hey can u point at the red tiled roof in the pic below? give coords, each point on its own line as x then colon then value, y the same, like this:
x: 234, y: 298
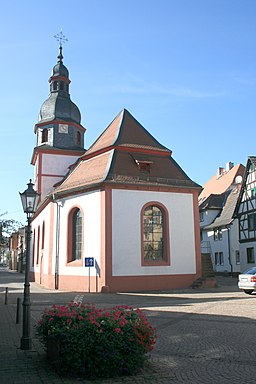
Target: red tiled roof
x: 108, y: 137
x: 112, y: 158
x: 89, y: 172
x: 125, y: 130
x: 219, y: 184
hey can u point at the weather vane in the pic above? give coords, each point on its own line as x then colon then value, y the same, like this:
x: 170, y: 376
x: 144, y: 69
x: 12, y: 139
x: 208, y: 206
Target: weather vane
x: 60, y: 38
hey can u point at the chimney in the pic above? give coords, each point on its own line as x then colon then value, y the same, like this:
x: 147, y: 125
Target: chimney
x: 229, y: 166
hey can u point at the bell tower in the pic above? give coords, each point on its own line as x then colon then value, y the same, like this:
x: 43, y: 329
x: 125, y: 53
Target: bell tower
x: 59, y: 133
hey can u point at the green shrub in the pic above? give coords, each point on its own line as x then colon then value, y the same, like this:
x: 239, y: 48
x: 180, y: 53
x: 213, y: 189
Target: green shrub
x: 98, y: 342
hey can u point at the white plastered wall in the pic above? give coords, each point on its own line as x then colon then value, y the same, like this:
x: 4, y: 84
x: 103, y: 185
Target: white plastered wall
x: 53, y: 169
x: 56, y: 165
x: 126, y: 233
x: 44, y: 217
x: 90, y: 204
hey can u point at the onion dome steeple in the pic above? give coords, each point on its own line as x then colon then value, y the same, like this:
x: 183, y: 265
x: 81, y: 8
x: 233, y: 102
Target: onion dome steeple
x: 59, y: 105
x: 59, y: 133
x: 59, y: 123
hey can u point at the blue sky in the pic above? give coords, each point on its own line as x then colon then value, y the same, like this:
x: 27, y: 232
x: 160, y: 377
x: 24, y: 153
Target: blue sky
x: 185, y: 69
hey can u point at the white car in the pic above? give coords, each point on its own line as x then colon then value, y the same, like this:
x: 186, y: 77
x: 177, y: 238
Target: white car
x: 247, y: 280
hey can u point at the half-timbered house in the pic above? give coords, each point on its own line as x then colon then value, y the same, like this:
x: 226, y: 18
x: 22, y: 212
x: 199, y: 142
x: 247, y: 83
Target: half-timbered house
x: 246, y: 214
x: 219, y: 228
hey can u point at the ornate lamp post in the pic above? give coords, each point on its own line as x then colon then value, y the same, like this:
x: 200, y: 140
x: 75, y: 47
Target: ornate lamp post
x: 29, y: 199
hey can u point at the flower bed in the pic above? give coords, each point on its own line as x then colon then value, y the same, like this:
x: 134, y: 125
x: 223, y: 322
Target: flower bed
x: 97, y: 342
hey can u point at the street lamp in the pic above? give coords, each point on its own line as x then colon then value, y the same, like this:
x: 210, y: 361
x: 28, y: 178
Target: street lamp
x: 29, y: 199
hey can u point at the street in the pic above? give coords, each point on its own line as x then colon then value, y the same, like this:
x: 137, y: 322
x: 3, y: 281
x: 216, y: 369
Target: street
x: 203, y: 335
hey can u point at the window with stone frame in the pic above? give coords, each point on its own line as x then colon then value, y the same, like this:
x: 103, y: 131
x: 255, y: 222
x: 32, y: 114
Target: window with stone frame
x: 38, y: 245
x: 155, y: 235
x: 34, y: 247
x: 75, y: 235
x: 43, y: 235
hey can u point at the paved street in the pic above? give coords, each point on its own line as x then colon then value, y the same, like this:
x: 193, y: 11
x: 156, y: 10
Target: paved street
x: 204, y: 336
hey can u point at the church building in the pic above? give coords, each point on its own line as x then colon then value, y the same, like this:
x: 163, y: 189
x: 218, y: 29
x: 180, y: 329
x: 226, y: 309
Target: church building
x: 119, y: 216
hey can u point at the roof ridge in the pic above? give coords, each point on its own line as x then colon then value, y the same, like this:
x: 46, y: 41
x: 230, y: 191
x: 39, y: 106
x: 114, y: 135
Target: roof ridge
x: 119, y: 115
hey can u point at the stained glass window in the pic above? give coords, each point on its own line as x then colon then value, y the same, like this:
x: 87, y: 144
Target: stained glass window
x: 77, y: 235
x: 153, y: 233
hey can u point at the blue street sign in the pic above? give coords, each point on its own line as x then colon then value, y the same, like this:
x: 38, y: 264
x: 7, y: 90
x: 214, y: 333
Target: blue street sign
x: 89, y: 261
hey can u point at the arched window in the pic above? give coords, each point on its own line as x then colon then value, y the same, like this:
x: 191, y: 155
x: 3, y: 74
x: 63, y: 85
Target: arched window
x: 45, y: 135
x: 42, y: 241
x: 34, y: 248
x: 55, y: 84
x: 75, y: 235
x: 155, y: 236
x: 78, y: 138
x: 38, y: 245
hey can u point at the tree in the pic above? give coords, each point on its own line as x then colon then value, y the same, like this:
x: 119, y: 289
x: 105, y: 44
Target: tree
x: 8, y: 226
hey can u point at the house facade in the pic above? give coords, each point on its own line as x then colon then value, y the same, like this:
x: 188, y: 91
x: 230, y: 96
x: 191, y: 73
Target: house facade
x: 17, y: 249
x: 120, y: 216
x: 246, y: 215
x: 219, y: 227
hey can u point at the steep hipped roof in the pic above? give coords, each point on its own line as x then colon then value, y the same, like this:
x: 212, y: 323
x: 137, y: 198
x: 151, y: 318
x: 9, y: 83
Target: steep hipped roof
x: 118, y: 156
x: 125, y: 130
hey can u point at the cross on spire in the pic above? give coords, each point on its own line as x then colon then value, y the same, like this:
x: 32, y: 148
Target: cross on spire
x: 60, y: 38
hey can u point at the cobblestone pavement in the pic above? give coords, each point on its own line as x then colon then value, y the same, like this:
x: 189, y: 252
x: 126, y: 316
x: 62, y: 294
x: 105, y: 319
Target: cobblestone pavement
x: 204, y: 336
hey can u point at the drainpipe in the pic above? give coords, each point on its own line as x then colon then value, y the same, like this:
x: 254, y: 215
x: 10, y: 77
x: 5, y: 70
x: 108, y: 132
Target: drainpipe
x: 57, y: 244
x: 229, y: 252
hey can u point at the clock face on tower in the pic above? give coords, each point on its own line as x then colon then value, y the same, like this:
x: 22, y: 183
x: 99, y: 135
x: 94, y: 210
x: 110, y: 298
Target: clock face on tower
x: 63, y: 128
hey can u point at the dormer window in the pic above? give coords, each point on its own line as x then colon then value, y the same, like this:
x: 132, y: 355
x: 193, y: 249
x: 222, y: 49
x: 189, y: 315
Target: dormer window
x: 144, y: 165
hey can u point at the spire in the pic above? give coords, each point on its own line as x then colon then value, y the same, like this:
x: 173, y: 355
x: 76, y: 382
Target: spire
x: 59, y: 105
x: 60, y: 56
x: 61, y: 39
